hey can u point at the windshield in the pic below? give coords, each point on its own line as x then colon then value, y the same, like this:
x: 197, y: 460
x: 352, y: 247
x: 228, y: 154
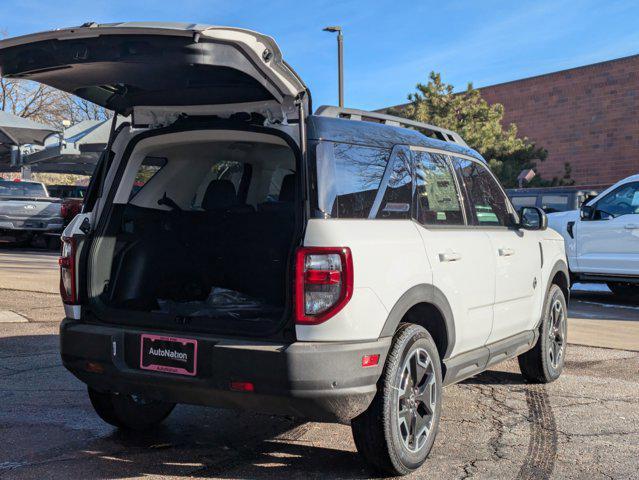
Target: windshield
x: 22, y: 189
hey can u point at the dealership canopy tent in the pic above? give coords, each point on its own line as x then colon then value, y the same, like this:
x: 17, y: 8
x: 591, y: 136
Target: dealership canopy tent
x: 17, y: 131
x: 78, y: 152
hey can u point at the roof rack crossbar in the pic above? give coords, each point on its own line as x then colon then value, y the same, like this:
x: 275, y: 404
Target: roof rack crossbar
x: 363, y: 115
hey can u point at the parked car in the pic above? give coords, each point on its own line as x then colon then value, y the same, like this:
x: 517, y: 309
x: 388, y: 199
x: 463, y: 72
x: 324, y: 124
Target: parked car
x: 72, y: 198
x: 602, y: 239
x: 27, y: 210
x: 322, y: 266
x: 552, y: 199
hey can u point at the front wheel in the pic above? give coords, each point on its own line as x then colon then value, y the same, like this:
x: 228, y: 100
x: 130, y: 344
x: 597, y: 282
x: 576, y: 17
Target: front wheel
x: 397, y: 431
x: 131, y: 412
x: 545, y: 362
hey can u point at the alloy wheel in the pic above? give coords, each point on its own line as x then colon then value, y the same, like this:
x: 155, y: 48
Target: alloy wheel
x: 416, y: 399
x: 556, y: 334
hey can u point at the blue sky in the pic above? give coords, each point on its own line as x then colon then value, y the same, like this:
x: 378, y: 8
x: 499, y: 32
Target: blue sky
x: 389, y: 45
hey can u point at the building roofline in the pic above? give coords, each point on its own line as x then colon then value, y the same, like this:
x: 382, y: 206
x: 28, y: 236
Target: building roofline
x: 557, y: 72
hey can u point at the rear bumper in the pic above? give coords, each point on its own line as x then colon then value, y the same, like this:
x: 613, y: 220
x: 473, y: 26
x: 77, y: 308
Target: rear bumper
x: 322, y: 381
x: 35, y: 225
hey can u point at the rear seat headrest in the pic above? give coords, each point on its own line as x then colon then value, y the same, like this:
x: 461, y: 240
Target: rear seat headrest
x: 287, y: 190
x: 219, y: 195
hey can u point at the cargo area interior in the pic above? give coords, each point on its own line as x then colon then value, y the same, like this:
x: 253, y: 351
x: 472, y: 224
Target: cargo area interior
x: 202, y: 228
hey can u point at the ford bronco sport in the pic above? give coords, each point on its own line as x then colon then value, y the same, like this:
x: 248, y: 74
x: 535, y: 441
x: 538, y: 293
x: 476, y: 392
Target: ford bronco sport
x: 237, y: 251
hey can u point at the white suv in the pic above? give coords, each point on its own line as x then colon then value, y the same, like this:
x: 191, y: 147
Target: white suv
x: 602, y: 239
x: 236, y: 251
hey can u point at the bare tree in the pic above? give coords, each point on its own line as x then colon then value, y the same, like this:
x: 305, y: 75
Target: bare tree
x: 45, y: 104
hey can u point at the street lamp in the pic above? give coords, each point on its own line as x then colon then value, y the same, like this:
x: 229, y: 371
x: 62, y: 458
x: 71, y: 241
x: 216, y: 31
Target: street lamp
x: 340, y: 61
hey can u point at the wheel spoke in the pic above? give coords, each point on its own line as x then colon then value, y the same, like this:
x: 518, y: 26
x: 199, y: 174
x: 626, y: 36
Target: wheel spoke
x: 422, y: 423
x: 412, y: 425
x: 404, y: 416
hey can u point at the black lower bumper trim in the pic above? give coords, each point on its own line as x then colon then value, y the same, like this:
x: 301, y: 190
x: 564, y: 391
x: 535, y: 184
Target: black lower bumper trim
x: 322, y: 381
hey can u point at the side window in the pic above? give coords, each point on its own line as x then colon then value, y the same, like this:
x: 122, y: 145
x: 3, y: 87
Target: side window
x: 348, y: 178
x: 397, y: 196
x: 487, y: 201
x: 622, y: 201
x: 436, y: 197
x: 148, y: 168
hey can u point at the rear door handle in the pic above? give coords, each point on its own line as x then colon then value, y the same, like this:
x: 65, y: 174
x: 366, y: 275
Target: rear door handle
x: 631, y: 226
x: 449, y: 257
x: 506, y: 252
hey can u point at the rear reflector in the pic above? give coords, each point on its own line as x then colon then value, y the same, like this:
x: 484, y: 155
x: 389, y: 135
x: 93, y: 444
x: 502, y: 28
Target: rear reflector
x: 370, y: 360
x: 94, y: 367
x: 323, y: 283
x: 242, y: 387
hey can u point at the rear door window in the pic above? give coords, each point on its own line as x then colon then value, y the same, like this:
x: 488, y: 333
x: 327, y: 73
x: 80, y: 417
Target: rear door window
x: 436, y: 198
x: 487, y: 200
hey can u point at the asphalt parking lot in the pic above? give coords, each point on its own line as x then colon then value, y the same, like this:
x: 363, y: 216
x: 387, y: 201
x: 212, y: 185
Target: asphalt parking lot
x: 586, y: 425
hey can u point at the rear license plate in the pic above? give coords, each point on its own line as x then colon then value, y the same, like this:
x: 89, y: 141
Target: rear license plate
x: 168, y: 354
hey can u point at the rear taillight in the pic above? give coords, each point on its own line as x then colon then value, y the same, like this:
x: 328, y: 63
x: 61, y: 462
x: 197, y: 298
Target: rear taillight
x: 64, y: 210
x: 68, y: 288
x: 323, y: 283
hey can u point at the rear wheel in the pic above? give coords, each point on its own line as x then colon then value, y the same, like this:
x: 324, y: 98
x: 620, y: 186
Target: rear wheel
x: 545, y: 362
x: 398, y: 430
x: 626, y: 291
x: 129, y: 411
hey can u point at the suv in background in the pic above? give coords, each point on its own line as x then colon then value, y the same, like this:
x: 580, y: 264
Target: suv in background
x: 237, y: 251
x: 552, y: 199
x: 602, y: 241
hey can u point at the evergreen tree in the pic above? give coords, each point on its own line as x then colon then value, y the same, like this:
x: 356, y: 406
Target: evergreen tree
x: 480, y: 125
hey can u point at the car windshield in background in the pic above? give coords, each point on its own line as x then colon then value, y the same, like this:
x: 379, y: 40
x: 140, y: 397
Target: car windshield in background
x: 555, y: 203
x: 519, y: 202
x: 22, y: 189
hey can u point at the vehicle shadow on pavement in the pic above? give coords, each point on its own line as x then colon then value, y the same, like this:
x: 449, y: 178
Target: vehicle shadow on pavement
x: 51, y: 431
x: 497, y: 377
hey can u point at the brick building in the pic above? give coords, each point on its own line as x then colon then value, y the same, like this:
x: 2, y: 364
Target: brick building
x: 587, y: 116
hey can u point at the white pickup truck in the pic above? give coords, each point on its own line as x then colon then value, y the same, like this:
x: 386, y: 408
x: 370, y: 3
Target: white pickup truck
x: 602, y: 239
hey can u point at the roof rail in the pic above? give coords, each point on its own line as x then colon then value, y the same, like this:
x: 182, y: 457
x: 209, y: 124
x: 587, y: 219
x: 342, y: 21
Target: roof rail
x: 363, y: 115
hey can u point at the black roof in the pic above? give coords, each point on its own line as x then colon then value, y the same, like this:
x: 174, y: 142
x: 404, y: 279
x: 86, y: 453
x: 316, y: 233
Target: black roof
x: 378, y: 135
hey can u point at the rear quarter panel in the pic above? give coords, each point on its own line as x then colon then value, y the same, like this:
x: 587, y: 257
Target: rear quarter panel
x: 388, y: 259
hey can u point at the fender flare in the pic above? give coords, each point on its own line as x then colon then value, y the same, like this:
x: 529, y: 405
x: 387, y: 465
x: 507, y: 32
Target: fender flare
x: 559, y: 266
x: 423, y: 293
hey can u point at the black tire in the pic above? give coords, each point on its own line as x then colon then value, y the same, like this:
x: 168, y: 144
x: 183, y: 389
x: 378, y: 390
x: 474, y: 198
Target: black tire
x: 128, y: 411
x: 545, y: 361
x: 103, y: 407
x: 626, y: 291
x: 381, y: 437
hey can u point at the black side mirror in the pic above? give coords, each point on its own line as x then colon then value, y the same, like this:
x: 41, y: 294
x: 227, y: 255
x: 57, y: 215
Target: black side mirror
x: 532, y: 218
x: 587, y: 212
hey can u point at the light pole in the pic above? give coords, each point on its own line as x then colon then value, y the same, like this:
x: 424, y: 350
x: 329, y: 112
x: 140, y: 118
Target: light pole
x: 340, y: 61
